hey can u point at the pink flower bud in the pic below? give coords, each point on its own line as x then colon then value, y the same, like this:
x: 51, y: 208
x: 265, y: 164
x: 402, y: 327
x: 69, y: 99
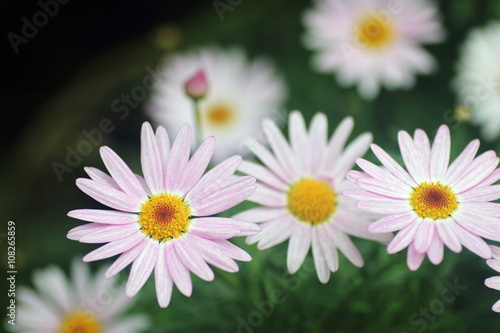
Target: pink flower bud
x: 196, y: 87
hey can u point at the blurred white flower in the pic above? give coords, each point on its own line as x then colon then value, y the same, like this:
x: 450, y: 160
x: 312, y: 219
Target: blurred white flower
x: 478, y: 79
x: 82, y: 304
x: 373, y: 43
x: 240, y: 93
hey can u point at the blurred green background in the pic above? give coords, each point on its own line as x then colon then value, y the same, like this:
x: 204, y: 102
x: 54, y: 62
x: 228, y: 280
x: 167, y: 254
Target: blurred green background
x: 383, y: 296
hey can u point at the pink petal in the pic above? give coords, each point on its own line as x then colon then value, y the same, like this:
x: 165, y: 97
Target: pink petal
x: 384, y: 207
x: 196, y: 166
x: 113, y: 248
x: 424, y: 235
x: 268, y: 196
x: 280, y: 147
x: 261, y: 214
x: 403, y: 238
x: 392, y: 223
x: 423, y: 149
x: 354, y: 175
x: 178, y: 158
x: 380, y: 174
x: 163, y: 280
x: 337, y: 143
x: 193, y: 260
x: 232, y: 250
x: 474, y: 243
x: 354, y: 150
x: 263, y: 175
x: 478, y: 170
x: 103, y: 216
x: 493, y: 282
x: 299, y: 140
x: 227, y: 198
x: 489, y: 193
x: 358, y: 226
x: 299, y: 244
x: 110, y: 233
x: 495, y: 264
x: 122, y: 174
x: 108, y: 196
x: 275, y: 232
x: 328, y: 247
x: 177, y: 270
x: 83, y: 230
x: 212, y: 254
x: 101, y: 177
x: 455, y: 171
x: 222, y: 227
x: 126, y: 258
x: 317, y: 137
x: 435, y: 251
x: 163, y: 145
x: 268, y: 159
x: 447, y: 234
x: 440, y: 154
x: 411, y: 158
x: 151, y: 160
x: 414, y: 258
x: 213, y: 179
x: 492, y: 178
x: 392, y: 165
x: 481, y: 225
x: 142, y: 268
x: 384, y: 188
x: 345, y: 245
x: 481, y: 208
x: 319, y: 258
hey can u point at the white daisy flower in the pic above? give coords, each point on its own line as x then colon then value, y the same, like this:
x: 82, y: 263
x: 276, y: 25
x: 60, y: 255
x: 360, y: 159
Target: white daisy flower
x: 240, y: 94
x: 373, y: 43
x: 478, y: 79
x: 299, y: 188
x: 83, y: 304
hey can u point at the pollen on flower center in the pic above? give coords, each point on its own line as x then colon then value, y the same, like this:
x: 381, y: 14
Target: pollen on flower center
x: 164, y: 216
x: 219, y: 115
x: 80, y: 322
x: 374, y: 33
x: 433, y: 200
x: 311, y: 201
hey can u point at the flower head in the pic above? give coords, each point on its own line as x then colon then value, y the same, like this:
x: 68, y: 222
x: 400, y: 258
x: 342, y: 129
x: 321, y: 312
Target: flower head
x: 76, y: 305
x: 373, y: 43
x: 494, y: 282
x: 478, y: 79
x: 162, y: 222
x: 196, y: 87
x: 241, y: 93
x: 431, y: 203
x: 299, y: 188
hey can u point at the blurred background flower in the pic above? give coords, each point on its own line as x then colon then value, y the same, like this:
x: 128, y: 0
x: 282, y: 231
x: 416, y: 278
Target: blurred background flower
x: 81, y: 304
x: 83, y: 77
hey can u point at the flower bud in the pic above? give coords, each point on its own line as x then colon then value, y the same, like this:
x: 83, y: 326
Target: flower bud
x: 196, y: 87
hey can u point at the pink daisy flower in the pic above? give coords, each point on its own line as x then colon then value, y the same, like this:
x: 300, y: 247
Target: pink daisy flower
x: 433, y: 203
x: 373, y: 43
x: 494, y: 282
x: 299, y: 188
x: 162, y: 222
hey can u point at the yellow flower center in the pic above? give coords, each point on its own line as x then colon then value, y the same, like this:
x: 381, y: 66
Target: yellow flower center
x: 80, y: 322
x: 219, y: 115
x: 433, y: 200
x: 311, y: 201
x: 375, y: 33
x: 164, y: 216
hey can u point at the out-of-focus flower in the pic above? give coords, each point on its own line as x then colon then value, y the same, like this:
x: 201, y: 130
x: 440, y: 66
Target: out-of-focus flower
x: 300, y: 188
x: 240, y: 94
x: 162, y: 221
x: 432, y: 203
x: 197, y: 86
x: 494, y: 282
x: 478, y: 79
x: 373, y: 43
x: 82, y: 304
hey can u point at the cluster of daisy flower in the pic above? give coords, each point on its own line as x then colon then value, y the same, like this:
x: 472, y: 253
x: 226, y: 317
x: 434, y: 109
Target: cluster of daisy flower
x: 164, y: 222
